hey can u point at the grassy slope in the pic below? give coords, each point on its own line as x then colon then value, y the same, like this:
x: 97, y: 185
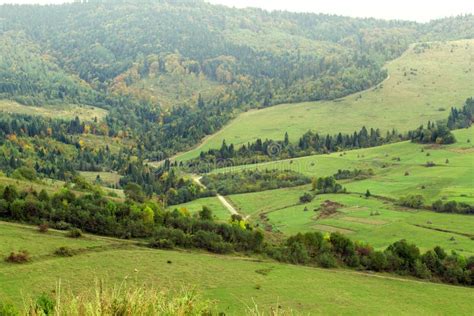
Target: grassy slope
x: 177, y: 89
x: 49, y: 185
x: 63, y: 111
x: 443, y: 78
x: 218, y: 210
x: 231, y: 281
x: 447, y: 181
x: 452, y: 180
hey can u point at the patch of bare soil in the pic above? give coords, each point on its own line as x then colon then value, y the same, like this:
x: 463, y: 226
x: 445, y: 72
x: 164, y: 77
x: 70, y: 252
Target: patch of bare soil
x: 328, y: 209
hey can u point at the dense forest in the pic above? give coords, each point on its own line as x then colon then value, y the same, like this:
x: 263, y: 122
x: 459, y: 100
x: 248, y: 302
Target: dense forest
x: 109, y: 53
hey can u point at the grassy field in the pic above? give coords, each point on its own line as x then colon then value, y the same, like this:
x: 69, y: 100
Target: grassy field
x: 51, y: 186
x: 218, y: 210
x: 453, y: 180
x: 108, y: 178
x: 178, y: 88
x: 63, y: 111
x: 356, y: 219
x: 422, y: 86
x: 234, y: 283
x: 280, y: 210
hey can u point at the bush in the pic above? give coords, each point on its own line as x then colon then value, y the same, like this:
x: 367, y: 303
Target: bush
x: 377, y: 261
x: 327, y: 260
x: 65, y: 252
x: 161, y: 244
x: 18, y: 257
x: 412, y: 201
x: 74, y: 233
x: 62, y: 225
x: 430, y: 164
x: 44, y: 305
x: 306, y: 198
x: 421, y: 270
x: 43, y: 228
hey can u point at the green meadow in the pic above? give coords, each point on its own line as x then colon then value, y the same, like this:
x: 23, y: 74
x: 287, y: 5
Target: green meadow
x: 422, y: 85
x: 218, y: 210
x: 62, y: 111
x: 399, y: 170
x: 235, y: 284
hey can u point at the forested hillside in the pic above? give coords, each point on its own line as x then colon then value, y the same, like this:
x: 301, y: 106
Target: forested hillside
x: 171, y: 72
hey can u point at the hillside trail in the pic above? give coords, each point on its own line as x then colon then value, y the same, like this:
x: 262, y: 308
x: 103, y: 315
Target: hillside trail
x: 221, y: 198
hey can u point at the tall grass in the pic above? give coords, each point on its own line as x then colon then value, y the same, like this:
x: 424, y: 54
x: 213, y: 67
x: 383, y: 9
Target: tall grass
x: 119, y: 300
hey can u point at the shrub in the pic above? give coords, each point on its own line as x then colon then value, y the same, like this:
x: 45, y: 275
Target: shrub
x: 62, y: 225
x: 161, y: 244
x: 25, y: 173
x: 205, y: 213
x: 421, y: 270
x: 306, y: 198
x: 18, y: 257
x: 43, y: 228
x: 377, y: 261
x: 44, y: 305
x: 74, y: 233
x: 65, y: 252
x: 430, y: 164
x: 327, y: 260
x: 296, y: 252
x: 412, y: 201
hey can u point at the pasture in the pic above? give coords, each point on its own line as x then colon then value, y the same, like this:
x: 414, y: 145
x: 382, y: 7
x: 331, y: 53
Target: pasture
x: 62, y: 111
x: 218, y: 210
x: 423, y: 84
x: 234, y: 283
x: 399, y: 170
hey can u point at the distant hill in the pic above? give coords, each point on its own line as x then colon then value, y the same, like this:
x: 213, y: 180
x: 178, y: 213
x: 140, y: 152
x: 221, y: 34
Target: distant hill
x: 423, y: 84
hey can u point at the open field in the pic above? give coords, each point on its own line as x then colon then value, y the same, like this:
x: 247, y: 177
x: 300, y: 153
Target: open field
x: 177, y: 89
x: 49, y: 185
x: 107, y: 178
x: 443, y: 72
x: 63, y: 111
x: 280, y: 210
x: 233, y: 282
x: 453, y: 180
x: 218, y: 210
x: 356, y: 218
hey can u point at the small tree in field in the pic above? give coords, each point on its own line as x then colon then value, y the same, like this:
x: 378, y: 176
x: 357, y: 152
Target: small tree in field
x: 367, y: 193
x: 205, y: 213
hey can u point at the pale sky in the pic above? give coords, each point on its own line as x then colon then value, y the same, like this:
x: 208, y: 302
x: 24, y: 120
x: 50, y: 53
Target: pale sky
x: 415, y: 10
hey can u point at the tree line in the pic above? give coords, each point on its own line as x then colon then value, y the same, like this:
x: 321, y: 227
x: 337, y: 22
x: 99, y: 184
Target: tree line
x: 96, y: 214
x: 312, y: 143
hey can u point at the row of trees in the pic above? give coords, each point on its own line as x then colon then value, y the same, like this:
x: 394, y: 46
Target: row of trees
x: 167, y: 229
x: 253, y: 181
x: 96, y: 214
x: 441, y: 133
x: 310, y: 143
x: 400, y: 257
